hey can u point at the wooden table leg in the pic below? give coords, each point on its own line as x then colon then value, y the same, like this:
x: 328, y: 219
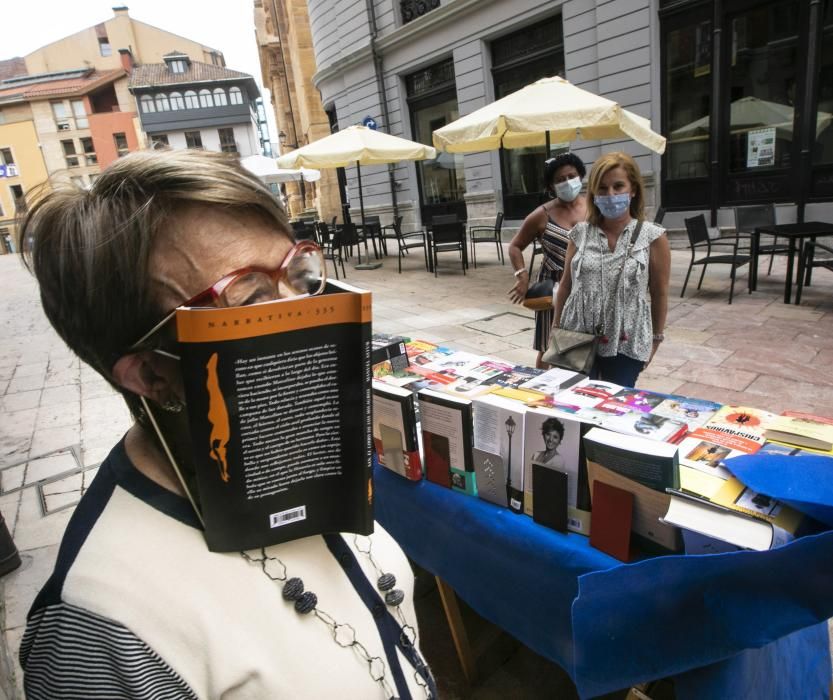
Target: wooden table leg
x: 458, y: 630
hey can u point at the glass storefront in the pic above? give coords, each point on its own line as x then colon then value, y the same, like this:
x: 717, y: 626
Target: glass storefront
x: 519, y: 59
x: 432, y: 99
x: 747, y: 102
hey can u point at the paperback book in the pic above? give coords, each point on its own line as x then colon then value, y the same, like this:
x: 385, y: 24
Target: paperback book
x: 447, y: 440
x: 802, y: 430
x: 693, y: 412
x: 279, y: 403
x: 395, y: 430
x: 499, y: 431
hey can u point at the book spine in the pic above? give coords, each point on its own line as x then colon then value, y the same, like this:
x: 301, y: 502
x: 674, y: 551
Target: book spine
x: 367, y: 401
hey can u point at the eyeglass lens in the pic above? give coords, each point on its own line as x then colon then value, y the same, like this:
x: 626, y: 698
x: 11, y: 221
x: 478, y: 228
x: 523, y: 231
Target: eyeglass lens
x: 304, y: 274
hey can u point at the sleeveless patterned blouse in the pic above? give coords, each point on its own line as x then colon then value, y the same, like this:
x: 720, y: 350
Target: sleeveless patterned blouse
x: 554, y: 241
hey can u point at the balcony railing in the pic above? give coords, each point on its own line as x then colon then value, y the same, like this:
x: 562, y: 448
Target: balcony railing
x: 413, y: 9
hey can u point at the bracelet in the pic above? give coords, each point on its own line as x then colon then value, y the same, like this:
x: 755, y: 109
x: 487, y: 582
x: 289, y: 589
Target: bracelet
x: 517, y: 273
x: 659, y: 337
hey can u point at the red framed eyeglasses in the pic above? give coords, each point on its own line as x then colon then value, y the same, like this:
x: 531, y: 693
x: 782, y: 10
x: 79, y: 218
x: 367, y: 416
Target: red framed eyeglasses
x: 302, y: 272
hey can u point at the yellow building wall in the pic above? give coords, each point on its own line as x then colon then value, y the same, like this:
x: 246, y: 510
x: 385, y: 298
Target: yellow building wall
x: 22, y: 138
x: 147, y: 43
x: 16, y: 113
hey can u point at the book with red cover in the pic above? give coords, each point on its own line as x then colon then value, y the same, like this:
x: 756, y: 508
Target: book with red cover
x: 610, y: 529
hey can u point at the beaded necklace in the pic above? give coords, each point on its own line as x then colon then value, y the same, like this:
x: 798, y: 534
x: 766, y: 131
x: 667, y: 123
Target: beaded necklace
x: 305, y: 602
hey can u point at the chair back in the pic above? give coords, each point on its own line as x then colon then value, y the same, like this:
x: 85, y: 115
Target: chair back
x: 747, y: 219
x: 349, y: 234
x: 443, y: 219
x: 498, y: 223
x: 698, y: 231
x: 659, y: 216
x: 447, y: 231
x: 324, y: 234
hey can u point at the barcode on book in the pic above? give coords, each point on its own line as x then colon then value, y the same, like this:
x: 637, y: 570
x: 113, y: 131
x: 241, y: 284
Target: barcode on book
x: 574, y: 523
x: 288, y: 516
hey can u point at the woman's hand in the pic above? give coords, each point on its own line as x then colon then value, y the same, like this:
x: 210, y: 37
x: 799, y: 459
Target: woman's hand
x: 654, y: 349
x: 518, y: 293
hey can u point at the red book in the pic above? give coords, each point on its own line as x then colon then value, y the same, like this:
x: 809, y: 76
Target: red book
x: 610, y: 527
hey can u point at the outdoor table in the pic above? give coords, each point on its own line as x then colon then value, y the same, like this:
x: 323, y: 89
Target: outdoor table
x: 794, y: 233
x: 722, y: 625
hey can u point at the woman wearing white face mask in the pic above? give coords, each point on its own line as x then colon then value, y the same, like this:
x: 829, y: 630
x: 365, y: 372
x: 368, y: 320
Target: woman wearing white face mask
x: 616, y: 273
x: 550, y: 224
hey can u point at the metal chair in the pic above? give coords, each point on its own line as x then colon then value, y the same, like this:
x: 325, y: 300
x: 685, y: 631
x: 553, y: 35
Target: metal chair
x: 330, y: 242
x: 698, y: 237
x: 747, y: 219
x: 492, y: 237
x: 389, y: 233
x: 448, y: 234
x: 409, y: 241
x: 659, y: 216
x: 808, y: 261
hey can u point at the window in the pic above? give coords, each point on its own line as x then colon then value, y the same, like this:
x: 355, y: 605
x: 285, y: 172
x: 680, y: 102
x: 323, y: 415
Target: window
x: 205, y: 99
x: 69, y: 153
x: 18, y: 198
x: 120, y: 139
x: 162, y: 103
x: 823, y: 151
x: 193, y: 139
x: 235, y: 96
x: 519, y: 59
x: 220, y: 99
x: 176, y: 101
x: 178, y: 66
x: 191, y: 101
x: 59, y: 111
x: 227, y: 143
x: 80, y: 114
x: 6, y: 156
x: 104, y: 47
x: 146, y: 101
x: 159, y: 141
x: 89, y: 150
x: 432, y: 98
x: 764, y: 42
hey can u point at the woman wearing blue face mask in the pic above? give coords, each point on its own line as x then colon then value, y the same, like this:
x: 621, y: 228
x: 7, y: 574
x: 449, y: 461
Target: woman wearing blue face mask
x: 614, y: 283
x: 550, y: 224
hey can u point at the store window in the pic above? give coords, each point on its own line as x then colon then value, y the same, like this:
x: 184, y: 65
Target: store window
x: 823, y: 151
x: 762, y: 83
x: 687, y: 92
x: 432, y: 99
x: 518, y: 59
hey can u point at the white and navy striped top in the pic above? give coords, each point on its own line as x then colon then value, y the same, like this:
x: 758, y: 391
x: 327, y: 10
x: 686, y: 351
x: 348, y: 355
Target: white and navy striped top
x: 137, y: 607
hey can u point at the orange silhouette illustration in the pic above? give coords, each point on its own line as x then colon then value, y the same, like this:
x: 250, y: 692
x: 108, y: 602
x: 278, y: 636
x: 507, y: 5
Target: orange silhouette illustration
x: 218, y: 417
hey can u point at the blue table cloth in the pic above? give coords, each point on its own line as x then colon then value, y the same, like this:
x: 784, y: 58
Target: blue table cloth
x: 741, y: 624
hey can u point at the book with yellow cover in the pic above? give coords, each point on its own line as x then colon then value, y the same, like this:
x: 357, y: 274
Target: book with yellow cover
x: 802, y: 430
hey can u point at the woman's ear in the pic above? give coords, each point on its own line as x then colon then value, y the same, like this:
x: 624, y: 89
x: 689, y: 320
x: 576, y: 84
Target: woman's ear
x: 149, y: 374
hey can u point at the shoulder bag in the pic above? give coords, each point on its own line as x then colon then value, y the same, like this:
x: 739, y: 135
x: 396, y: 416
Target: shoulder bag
x: 574, y: 350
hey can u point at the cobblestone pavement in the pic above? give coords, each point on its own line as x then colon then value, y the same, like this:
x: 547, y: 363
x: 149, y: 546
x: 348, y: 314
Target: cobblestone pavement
x: 59, y: 418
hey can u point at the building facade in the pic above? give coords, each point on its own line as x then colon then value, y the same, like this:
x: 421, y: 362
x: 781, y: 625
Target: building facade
x: 288, y: 64
x: 726, y: 82
x: 191, y: 104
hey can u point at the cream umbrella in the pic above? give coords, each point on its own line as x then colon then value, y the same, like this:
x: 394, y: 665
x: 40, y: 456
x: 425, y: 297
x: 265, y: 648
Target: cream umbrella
x: 551, y: 109
x: 268, y: 171
x: 356, y: 145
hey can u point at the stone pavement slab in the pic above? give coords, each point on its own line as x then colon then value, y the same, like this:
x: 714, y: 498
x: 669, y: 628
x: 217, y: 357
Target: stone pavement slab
x: 757, y: 351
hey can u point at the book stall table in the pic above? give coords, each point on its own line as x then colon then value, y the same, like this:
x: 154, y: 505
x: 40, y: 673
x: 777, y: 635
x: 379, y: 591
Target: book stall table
x: 732, y: 625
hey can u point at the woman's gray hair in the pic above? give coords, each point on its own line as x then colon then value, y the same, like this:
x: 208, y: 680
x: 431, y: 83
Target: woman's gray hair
x: 89, y: 248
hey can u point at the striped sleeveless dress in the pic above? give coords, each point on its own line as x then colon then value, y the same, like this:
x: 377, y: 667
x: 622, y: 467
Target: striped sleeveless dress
x: 554, y: 241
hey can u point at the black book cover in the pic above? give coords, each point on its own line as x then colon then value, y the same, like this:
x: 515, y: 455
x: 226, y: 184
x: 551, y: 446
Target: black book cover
x: 278, y: 398
x: 550, y: 489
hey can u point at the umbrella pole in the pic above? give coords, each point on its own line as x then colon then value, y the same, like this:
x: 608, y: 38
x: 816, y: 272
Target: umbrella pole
x: 367, y: 265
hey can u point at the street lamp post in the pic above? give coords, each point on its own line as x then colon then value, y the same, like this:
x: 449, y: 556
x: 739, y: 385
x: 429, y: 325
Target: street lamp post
x: 513, y: 495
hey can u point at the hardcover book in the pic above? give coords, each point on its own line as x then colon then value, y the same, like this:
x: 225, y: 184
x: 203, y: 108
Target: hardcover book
x: 652, y: 464
x: 389, y: 348
x: 552, y: 440
x: 499, y: 430
x: 447, y: 440
x: 395, y: 430
x: 278, y: 398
